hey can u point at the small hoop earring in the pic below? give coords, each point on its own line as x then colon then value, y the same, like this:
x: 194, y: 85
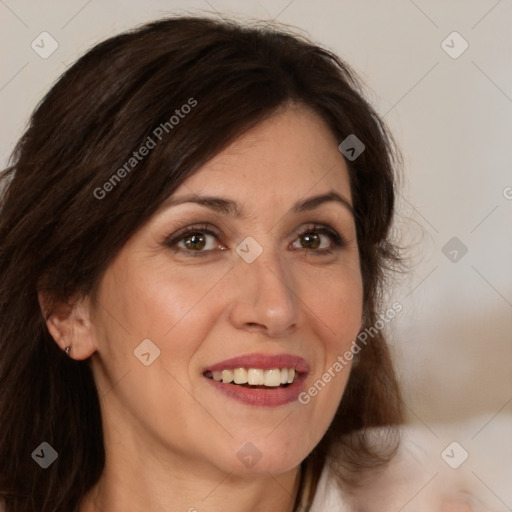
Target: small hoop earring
x: 67, y: 350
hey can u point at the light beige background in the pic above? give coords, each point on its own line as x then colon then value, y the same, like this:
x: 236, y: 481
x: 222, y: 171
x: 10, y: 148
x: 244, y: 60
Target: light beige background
x: 452, y: 118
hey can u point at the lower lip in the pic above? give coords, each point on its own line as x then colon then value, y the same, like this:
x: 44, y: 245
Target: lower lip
x: 272, y: 397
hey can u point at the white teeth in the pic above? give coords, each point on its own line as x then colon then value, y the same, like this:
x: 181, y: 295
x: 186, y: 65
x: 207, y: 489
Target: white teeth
x: 256, y: 376
x: 273, y: 378
x: 227, y: 376
x: 240, y: 376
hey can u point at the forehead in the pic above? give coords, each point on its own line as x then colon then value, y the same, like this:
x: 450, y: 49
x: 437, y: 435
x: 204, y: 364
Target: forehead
x: 290, y: 153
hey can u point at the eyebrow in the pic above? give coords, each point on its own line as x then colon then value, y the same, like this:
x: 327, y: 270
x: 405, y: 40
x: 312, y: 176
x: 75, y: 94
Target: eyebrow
x: 225, y: 206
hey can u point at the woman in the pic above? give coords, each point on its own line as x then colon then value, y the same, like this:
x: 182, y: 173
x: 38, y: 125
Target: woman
x: 194, y: 238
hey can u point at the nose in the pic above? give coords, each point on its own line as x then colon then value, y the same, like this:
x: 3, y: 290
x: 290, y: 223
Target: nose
x: 264, y: 297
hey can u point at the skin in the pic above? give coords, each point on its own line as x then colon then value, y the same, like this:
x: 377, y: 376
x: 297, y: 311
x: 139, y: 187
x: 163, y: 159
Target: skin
x: 165, y: 427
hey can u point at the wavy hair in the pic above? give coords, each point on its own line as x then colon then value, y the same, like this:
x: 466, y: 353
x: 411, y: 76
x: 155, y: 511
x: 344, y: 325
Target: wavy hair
x: 58, y: 237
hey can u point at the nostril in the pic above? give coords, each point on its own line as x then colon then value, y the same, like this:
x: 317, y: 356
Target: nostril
x: 255, y: 324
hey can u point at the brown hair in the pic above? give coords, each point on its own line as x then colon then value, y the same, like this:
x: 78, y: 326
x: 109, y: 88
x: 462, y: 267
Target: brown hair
x: 58, y: 235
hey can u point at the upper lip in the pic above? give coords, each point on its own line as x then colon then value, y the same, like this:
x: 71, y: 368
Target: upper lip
x: 262, y: 361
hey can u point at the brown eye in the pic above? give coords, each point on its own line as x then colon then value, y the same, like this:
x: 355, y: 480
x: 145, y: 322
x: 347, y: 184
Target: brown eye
x: 198, y: 240
x: 195, y: 241
x: 318, y: 239
x: 311, y: 240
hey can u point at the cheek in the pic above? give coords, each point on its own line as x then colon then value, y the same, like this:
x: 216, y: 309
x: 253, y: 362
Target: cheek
x: 337, y: 306
x: 337, y: 325
x: 157, y: 300
x: 174, y: 311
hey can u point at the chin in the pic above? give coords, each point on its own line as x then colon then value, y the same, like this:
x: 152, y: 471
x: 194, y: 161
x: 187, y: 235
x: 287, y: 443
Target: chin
x: 265, y: 468
x: 260, y: 457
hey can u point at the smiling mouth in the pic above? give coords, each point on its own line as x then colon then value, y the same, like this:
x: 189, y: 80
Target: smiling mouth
x: 255, y: 378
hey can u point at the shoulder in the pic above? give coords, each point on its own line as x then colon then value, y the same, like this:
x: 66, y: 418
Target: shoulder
x: 422, y: 477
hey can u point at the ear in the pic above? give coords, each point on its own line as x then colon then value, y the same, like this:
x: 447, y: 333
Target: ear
x: 70, y: 325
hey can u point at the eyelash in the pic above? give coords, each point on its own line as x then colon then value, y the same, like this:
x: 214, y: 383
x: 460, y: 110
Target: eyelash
x: 172, y: 241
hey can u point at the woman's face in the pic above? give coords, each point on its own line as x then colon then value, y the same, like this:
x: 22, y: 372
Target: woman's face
x: 261, y: 277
